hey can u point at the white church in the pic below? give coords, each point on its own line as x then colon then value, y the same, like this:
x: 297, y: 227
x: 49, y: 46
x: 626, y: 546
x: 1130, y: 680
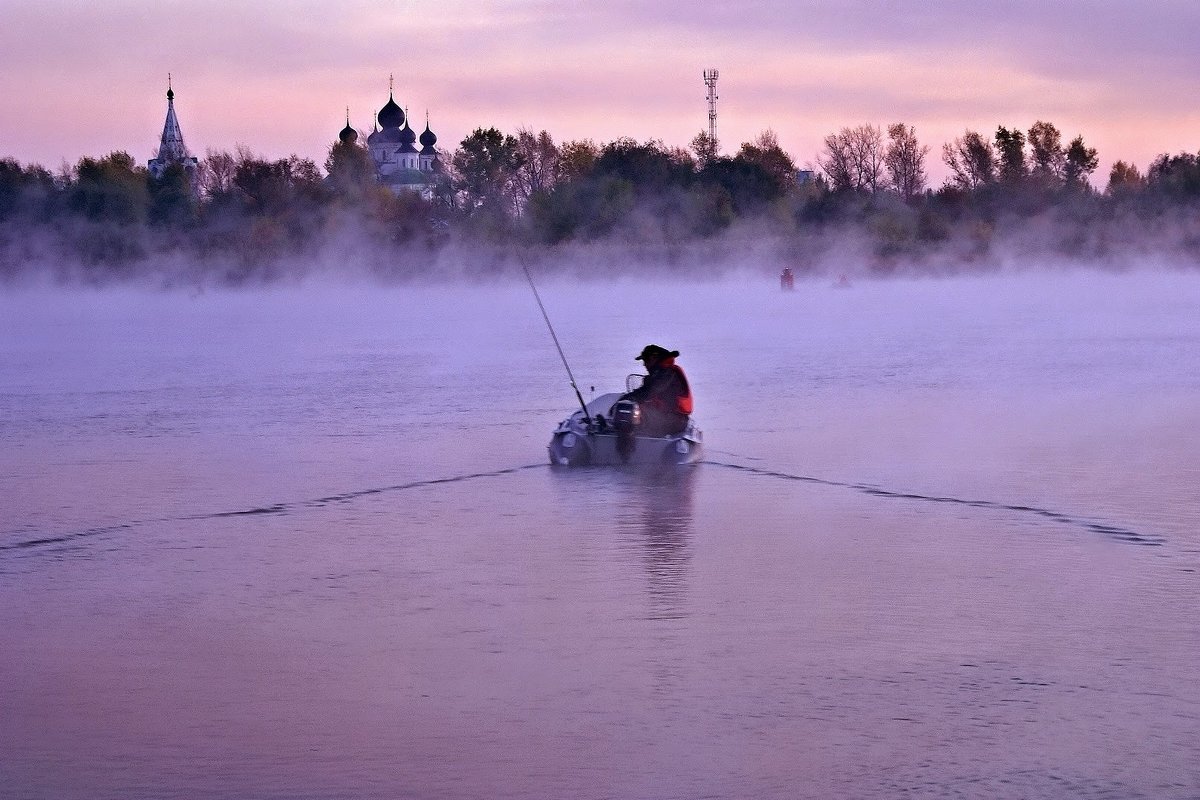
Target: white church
x: 399, y: 165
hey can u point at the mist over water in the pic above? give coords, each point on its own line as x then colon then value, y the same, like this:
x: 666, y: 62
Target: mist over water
x: 303, y: 542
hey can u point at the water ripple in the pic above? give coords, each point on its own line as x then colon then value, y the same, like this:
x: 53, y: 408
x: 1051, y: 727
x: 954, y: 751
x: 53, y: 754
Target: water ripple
x: 276, y: 508
x: 1104, y: 528
x: 1100, y: 527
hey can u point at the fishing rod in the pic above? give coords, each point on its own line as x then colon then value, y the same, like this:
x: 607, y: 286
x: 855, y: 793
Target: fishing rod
x: 586, y: 418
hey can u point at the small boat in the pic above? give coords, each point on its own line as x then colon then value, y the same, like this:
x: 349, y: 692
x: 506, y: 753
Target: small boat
x: 606, y: 436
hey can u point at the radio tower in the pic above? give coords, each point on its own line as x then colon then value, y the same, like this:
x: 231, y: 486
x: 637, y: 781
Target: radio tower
x: 710, y: 80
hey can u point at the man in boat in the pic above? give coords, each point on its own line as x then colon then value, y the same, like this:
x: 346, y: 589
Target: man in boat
x: 664, y: 396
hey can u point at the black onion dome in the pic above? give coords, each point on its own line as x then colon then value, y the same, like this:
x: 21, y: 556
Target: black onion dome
x: 428, y: 139
x: 391, y: 115
x: 388, y: 136
x: 348, y: 135
x: 407, y: 137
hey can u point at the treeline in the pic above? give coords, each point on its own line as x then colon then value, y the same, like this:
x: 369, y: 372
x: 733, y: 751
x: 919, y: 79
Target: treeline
x: 238, y: 217
x: 1013, y: 195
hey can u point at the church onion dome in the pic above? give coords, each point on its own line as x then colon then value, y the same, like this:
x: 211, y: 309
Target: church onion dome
x: 428, y: 139
x: 407, y: 137
x: 348, y: 135
x: 387, y: 136
x: 391, y: 115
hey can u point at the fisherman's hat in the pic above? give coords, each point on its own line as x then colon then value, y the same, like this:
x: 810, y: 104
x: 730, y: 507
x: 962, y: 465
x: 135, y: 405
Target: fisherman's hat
x: 653, y: 352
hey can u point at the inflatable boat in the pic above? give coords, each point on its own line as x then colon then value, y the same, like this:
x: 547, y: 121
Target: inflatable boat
x: 605, y: 433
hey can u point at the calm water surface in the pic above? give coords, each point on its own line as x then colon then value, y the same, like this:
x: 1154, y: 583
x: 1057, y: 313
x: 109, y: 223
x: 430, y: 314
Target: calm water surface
x: 303, y: 543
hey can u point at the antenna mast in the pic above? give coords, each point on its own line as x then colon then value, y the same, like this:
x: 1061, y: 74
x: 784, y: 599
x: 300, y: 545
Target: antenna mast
x: 710, y: 80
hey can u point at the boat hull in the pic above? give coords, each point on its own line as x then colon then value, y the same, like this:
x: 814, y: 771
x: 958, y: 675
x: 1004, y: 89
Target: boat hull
x: 575, y: 443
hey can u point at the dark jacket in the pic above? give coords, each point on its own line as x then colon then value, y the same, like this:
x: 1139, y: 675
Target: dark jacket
x: 665, y: 391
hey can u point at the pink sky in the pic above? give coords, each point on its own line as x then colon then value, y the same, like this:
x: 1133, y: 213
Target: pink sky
x: 276, y: 76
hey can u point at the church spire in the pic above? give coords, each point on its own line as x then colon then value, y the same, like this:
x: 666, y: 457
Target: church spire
x: 171, y: 149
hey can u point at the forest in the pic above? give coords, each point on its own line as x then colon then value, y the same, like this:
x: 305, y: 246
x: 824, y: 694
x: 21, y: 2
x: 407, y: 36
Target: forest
x: 1014, y: 199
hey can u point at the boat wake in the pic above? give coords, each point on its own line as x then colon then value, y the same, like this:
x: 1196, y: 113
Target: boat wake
x: 1104, y: 528
x: 277, y: 508
x: 1095, y: 526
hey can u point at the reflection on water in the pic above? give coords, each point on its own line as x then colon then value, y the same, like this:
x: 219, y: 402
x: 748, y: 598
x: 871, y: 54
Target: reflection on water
x: 658, y: 524
x: 640, y: 515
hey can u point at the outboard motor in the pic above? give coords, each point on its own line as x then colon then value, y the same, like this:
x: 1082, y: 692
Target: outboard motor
x: 626, y: 417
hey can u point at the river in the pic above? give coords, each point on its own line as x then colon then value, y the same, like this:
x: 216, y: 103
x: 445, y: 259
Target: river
x: 304, y: 542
